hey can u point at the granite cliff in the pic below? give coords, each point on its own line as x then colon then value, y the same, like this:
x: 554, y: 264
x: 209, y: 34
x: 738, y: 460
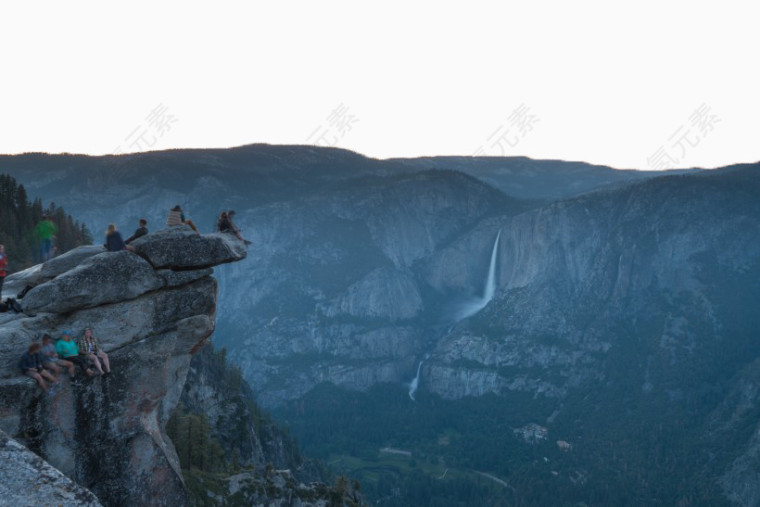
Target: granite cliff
x: 152, y: 309
x: 666, y: 265
x: 29, y: 480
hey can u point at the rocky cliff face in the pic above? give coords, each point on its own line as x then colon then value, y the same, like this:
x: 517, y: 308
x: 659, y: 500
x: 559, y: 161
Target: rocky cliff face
x: 264, y: 463
x: 578, y: 276
x: 29, y: 480
x: 332, y: 293
x: 151, y: 310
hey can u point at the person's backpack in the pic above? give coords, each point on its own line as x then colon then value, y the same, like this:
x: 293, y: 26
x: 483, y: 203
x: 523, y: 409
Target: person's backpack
x: 21, y: 294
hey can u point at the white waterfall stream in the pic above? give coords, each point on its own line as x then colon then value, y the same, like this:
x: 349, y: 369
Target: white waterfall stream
x: 416, y: 380
x: 472, y: 307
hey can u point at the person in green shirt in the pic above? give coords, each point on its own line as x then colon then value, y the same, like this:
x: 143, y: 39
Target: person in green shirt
x: 45, y: 232
x: 69, y: 351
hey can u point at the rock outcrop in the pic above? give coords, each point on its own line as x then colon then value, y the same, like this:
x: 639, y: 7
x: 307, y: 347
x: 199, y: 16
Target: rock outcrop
x: 384, y: 293
x: 28, y: 480
x: 151, y: 311
x: 40, y: 273
x: 177, y: 249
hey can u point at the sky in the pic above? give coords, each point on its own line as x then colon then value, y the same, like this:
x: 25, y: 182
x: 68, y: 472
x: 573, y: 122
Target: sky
x: 645, y: 85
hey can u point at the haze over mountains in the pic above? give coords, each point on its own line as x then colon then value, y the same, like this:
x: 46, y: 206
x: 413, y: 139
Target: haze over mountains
x: 616, y: 293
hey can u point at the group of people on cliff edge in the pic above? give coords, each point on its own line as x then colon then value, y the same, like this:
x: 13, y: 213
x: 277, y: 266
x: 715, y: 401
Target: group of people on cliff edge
x: 43, y: 362
x: 115, y: 243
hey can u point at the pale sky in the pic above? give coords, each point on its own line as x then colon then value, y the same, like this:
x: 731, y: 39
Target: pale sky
x: 637, y: 85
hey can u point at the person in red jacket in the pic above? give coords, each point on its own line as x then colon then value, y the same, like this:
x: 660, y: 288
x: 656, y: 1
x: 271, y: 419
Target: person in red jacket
x: 3, y: 266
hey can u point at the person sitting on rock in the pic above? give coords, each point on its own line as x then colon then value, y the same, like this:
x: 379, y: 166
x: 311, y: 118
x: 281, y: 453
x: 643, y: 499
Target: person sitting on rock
x: 89, y: 347
x: 176, y: 217
x: 50, y: 358
x: 139, y: 232
x: 68, y: 350
x: 113, y: 243
x: 225, y: 224
x: 31, y: 365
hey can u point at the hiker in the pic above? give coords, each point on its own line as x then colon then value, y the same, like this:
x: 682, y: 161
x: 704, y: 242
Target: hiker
x: 50, y: 357
x: 113, y: 243
x: 45, y: 232
x: 88, y: 346
x: 3, y: 267
x: 68, y: 350
x: 31, y: 366
x: 176, y: 217
x: 141, y: 231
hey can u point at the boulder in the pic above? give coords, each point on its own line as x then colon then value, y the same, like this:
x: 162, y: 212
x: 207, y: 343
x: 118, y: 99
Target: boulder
x: 29, y: 480
x: 15, y: 282
x: 105, y: 278
x: 182, y: 248
x: 35, y: 275
x: 116, y: 325
x: 68, y: 261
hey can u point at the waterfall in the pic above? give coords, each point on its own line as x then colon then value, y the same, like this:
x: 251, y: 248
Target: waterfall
x: 491, y: 280
x: 472, y: 307
x: 416, y: 381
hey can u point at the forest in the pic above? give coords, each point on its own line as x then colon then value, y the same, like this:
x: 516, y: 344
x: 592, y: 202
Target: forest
x: 18, y: 219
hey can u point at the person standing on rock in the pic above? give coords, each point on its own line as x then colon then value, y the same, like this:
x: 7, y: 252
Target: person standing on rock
x: 176, y: 217
x: 3, y: 267
x: 69, y: 351
x: 45, y: 233
x: 141, y: 231
x: 50, y: 357
x: 88, y: 346
x: 31, y: 365
x: 113, y: 243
